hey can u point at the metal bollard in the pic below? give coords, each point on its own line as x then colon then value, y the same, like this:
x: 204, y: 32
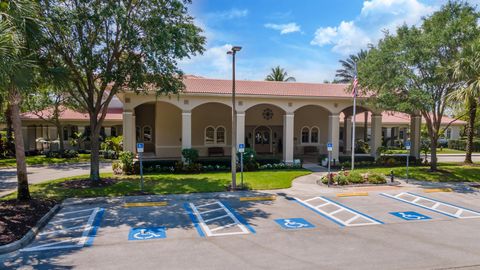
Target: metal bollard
x: 391, y: 176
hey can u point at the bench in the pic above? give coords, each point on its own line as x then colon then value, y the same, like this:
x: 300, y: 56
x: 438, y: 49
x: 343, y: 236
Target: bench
x: 310, y: 150
x: 215, y: 151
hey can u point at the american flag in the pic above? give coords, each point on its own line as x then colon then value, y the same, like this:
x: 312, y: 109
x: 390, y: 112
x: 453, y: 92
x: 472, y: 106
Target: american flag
x: 355, y: 83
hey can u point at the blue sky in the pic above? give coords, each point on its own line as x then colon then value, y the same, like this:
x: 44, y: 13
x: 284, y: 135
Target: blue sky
x: 306, y: 37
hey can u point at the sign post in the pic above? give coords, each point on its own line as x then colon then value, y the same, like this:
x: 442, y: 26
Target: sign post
x: 241, y: 150
x: 329, y: 149
x: 408, y: 146
x: 140, y: 148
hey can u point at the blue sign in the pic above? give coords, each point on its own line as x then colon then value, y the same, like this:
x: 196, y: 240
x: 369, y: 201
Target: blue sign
x: 294, y: 223
x: 410, y: 215
x: 240, y: 146
x: 140, y: 147
x: 147, y: 233
x: 408, y: 144
x: 330, y: 146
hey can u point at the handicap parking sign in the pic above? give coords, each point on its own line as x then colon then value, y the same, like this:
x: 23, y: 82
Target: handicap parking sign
x: 294, y: 223
x: 147, y: 233
x: 410, y: 215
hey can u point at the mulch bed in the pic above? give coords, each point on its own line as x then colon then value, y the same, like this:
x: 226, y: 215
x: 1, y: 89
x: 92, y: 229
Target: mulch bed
x: 17, y: 218
x: 87, y: 183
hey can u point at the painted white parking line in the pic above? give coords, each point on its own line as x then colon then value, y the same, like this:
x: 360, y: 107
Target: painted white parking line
x: 223, y: 213
x: 330, y: 210
x: 434, y: 205
x: 71, y: 242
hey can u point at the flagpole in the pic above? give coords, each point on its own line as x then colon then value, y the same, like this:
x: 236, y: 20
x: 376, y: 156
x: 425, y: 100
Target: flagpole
x: 354, y: 117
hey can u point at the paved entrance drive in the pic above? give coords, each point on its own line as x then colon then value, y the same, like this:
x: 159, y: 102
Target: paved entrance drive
x: 394, y: 228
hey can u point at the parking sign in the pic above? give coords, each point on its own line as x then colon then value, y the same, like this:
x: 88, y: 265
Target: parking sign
x: 241, y: 148
x: 330, y: 147
x: 140, y: 147
x: 408, y: 144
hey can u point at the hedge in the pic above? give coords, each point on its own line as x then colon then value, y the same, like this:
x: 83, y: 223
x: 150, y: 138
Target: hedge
x: 222, y: 162
x: 462, y: 144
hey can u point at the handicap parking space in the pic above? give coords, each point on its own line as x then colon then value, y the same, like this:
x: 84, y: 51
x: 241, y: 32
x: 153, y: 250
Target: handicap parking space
x: 72, y: 227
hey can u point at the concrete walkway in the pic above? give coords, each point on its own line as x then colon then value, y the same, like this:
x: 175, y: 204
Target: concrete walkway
x: 42, y: 173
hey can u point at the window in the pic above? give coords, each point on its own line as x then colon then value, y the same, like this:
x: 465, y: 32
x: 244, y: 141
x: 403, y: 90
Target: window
x: 220, y: 135
x: 147, y: 134
x: 314, y: 135
x: 215, y: 135
x: 65, y: 133
x: 137, y: 133
x: 400, y: 134
x: 113, y: 132
x: 449, y: 133
x: 305, y: 135
x: 210, y: 135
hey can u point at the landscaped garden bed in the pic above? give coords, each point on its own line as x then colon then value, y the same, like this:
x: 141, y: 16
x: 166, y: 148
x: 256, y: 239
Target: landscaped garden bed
x: 18, y: 218
x: 343, y: 178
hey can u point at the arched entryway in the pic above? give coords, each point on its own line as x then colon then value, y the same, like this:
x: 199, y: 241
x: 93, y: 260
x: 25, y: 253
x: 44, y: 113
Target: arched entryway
x: 263, y: 140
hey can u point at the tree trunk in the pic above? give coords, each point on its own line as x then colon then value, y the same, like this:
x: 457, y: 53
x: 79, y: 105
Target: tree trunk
x: 61, y: 145
x: 472, y: 112
x: 95, y: 151
x: 433, y: 153
x: 23, y: 193
x: 9, y: 142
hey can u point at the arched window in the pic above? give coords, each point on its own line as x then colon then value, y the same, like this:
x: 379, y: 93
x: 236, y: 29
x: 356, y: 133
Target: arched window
x: 209, y: 135
x: 147, y: 134
x: 137, y: 133
x: 220, y: 135
x: 314, y: 134
x: 305, y: 135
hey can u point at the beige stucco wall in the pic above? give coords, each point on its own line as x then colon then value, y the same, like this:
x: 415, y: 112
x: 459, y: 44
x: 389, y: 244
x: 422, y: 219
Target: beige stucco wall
x: 168, y: 127
x: 310, y: 116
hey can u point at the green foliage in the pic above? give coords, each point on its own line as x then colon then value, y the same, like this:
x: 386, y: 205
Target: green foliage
x: 461, y: 145
x: 67, y: 154
x: 126, y: 157
x: 113, y: 144
x: 362, y: 147
x: 279, y: 74
x: 340, y: 179
x: 190, y: 155
x: 347, y: 72
x: 376, y: 178
x: 249, y: 159
x: 356, y: 178
x: 117, y: 167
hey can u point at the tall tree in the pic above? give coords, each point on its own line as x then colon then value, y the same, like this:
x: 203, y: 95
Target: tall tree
x: 410, y: 71
x: 18, y: 36
x: 347, y: 72
x: 280, y: 75
x: 467, y: 71
x: 109, y: 46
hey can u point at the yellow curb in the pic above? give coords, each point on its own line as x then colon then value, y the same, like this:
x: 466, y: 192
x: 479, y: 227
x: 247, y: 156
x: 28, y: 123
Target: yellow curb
x: 144, y: 204
x: 350, y: 194
x: 431, y: 190
x: 264, y: 198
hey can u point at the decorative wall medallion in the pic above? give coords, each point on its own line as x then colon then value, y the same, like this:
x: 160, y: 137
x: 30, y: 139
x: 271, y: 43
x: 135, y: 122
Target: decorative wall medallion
x: 267, y: 113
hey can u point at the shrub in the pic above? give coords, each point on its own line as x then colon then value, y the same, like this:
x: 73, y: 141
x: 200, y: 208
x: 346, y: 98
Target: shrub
x: 343, y: 159
x: 376, y: 178
x: 110, y: 154
x: 126, y: 157
x: 356, y: 178
x: 190, y: 155
x: 62, y: 154
x: 113, y: 144
x: 117, y: 167
x: 249, y: 160
x: 362, y: 147
x: 340, y: 179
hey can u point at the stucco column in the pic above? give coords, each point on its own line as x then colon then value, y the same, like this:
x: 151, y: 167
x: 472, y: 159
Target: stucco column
x: 348, y: 134
x: 186, y: 129
x: 128, y: 131
x: 334, y: 133
x: 288, y: 137
x: 240, y: 127
x: 376, y: 138
x: 415, y: 128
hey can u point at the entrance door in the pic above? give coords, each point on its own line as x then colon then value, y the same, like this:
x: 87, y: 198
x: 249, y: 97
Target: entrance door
x: 263, y: 139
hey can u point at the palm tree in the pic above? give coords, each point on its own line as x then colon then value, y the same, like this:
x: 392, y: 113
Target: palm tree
x: 280, y: 75
x: 347, y: 72
x: 18, y: 28
x: 467, y: 71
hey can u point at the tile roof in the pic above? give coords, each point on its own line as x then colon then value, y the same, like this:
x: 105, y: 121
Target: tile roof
x: 391, y: 117
x: 68, y: 114
x: 195, y: 84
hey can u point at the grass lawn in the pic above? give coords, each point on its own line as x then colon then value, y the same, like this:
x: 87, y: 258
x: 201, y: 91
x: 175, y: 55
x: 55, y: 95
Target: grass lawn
x: 439, y: 151
x: 447, y: 172
x: 165, y: 184
x: 42, y: 160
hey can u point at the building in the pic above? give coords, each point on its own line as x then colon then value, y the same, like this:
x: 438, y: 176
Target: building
x: 284, y: 119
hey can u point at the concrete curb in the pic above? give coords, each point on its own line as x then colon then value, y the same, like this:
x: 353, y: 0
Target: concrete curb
x: 27, y: 238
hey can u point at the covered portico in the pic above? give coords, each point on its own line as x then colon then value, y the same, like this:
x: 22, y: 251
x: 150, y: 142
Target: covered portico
x: 288, y: 120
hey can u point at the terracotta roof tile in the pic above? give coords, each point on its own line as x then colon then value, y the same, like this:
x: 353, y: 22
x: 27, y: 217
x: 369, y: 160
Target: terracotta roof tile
x: 68, y: 114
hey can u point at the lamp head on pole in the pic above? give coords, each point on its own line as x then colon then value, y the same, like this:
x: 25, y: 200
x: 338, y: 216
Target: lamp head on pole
x: 234, y: 50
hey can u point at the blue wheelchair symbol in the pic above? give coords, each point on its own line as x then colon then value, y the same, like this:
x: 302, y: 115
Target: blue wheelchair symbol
x: 147, y: 233
x: 410, y: 215
x: 294, y: 223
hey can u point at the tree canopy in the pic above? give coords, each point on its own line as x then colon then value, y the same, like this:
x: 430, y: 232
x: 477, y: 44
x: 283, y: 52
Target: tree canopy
x: 280, y: 75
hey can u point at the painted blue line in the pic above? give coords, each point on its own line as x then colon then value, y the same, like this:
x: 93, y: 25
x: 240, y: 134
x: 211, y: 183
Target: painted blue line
x: 353, y: 210
x: 194, y: 219
x: 239, y: 217
x: 444, y: 202
x: 96, y: 225
x: 426, y: 208
x: 318, y: 212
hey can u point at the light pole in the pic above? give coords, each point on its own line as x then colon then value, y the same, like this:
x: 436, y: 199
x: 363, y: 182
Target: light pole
x: 232, y: 52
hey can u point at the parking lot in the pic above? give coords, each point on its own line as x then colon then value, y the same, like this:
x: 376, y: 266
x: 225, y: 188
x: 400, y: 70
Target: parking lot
x: 394, y: 228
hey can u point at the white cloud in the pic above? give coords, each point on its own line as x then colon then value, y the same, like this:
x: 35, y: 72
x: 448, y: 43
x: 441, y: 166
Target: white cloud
x: 233, y: 13
x: 284, y: 28
x: 213, y: 63
x: 375, y: 17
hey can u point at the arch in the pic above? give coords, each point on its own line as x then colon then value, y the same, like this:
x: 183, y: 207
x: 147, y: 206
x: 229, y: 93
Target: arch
x: 203, y: 103
x: 348, y: 110
x: 147, y: 99
x: 278, y: 106
x: 312, y: 105
x: 261, y: 139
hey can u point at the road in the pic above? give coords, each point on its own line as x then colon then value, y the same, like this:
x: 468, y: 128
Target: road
x: 454, y: 157
x: 305, y: 227
x: 38, y: 174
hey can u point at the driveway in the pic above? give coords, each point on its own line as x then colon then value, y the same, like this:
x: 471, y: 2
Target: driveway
x: 41, y: 173
x: 305, y: 227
